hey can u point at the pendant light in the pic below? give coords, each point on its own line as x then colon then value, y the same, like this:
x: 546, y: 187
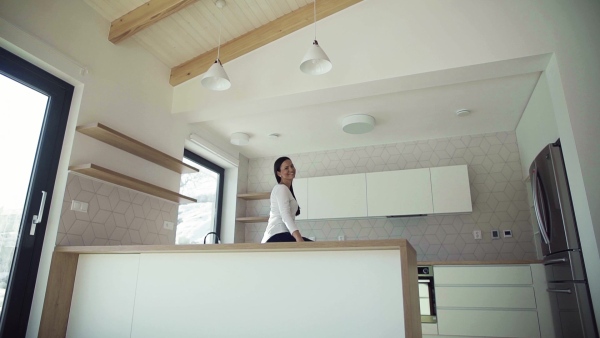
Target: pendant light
x: 216, y: 78
x: 315, y: 60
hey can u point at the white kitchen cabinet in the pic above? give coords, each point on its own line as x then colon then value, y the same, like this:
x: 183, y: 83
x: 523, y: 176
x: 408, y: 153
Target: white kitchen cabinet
x: 483, y: 275
x: 301, y: 193
x: 402, y: 192
x: 343, y: 196
x: 488, y: 323
x: 103, y: 295
x: 451, y: 190
x: 501, y: 297
x: 486, y: 301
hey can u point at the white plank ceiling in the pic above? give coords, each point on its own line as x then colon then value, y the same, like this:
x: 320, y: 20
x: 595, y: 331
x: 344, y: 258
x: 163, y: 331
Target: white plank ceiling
x: 194, y: 30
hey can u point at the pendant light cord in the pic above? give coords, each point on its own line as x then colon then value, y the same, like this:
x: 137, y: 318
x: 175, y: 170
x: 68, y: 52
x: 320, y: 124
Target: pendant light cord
x: 315, y: 16
x: 220, y: 24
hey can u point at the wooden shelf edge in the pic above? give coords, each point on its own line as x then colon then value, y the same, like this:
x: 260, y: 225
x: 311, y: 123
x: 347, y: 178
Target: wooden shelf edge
x: 118, y: 140
x: 255, y: 196
x: 259, y: 219
x: 116, y: 178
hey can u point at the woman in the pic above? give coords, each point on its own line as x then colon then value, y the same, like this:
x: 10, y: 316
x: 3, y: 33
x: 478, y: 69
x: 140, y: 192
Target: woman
x: 284, y: 207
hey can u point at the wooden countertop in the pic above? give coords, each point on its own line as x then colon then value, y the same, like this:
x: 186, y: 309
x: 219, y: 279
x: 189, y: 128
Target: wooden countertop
x: 506, y: 262
x: 387, y: 244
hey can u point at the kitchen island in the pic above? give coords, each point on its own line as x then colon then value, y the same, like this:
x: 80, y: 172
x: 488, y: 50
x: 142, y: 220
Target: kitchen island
x: 312, y: 289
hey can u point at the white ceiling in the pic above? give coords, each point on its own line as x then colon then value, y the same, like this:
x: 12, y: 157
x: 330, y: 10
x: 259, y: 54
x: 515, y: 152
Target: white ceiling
x: 407, y: 108
x: 496, y: 104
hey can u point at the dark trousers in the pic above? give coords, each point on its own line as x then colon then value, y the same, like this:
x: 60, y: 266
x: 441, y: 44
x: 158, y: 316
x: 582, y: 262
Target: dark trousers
x: 284, y: 237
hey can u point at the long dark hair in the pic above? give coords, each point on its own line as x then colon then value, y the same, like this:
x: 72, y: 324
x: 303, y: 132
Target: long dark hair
x: 276, y: 168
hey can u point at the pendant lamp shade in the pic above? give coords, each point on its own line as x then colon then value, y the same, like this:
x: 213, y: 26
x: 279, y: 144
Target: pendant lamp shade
x: 315, y: 61
x: 216, y: 78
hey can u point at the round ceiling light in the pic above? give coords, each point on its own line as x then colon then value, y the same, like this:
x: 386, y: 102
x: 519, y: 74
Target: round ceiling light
x: 239, y: 139
x: 462, y: 112
x: 358, y: 124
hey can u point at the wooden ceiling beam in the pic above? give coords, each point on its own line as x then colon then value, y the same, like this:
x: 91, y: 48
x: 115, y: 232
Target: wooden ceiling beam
x: 257, y: 38
x: 144, y: 16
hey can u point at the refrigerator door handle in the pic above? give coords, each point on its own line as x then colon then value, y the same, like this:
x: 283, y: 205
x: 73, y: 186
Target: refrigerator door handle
x: 536, y: 206
x: 555, y: 261
x: 559, y: 290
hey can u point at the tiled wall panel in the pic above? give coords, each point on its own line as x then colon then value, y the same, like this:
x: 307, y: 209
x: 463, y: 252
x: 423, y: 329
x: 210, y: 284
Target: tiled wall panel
x: 497, y: 191
x: 116, y: 215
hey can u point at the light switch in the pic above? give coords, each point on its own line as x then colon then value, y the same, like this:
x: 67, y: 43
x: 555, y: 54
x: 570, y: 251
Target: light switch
x: 79, y: 206
x: 168, y: 225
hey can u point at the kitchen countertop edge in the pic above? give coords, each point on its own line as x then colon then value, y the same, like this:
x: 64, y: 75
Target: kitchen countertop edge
x: 500, y: 262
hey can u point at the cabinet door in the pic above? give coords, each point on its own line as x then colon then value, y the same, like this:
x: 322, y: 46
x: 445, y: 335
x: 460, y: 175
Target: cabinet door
x: 482, y: 275
x: 341, y: 196
x: 403, y: 192
x: 451, y: 190
x: 301, y: 193
x: 488, y: 323
x: 103, y: 296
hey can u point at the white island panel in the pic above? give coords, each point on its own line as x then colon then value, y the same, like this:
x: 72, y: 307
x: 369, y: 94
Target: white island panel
x: 270, y: 294
x: 103, y: 296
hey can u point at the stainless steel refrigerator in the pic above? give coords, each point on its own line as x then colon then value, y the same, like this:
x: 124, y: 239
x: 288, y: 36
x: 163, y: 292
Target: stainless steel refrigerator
x: 572, y: 311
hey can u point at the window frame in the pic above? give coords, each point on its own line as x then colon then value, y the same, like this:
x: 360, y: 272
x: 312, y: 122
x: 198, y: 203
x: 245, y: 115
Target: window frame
x: 217, y: 169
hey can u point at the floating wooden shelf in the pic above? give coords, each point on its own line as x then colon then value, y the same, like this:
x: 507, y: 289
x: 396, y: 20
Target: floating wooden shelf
x: 258, y: 219
x: 255, y: 196
x: 114, y: 138
x: 110, y: 176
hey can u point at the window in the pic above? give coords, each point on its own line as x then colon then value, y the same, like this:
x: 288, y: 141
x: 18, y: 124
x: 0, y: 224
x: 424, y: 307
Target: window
x: 196, y: 220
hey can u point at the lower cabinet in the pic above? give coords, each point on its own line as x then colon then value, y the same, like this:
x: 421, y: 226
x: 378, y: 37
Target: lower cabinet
x: 485, y: 301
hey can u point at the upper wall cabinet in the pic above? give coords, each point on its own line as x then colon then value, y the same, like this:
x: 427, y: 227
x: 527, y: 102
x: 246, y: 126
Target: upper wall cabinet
x: 450, y: 188
x: 403, y: 192
x: 337, y: 196
x: 301, y: 193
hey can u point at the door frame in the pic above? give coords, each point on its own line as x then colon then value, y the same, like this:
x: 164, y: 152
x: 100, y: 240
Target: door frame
x: 28, y: 249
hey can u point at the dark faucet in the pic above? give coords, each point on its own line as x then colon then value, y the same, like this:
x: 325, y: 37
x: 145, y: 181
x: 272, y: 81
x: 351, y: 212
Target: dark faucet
x: 212, y: 233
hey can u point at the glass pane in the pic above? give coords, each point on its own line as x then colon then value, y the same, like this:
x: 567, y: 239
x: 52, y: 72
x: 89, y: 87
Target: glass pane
x: 22, y: 112
x: 195, y: 220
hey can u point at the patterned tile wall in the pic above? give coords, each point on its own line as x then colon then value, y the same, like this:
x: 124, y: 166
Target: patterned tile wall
x: 116, y: 215
x: 497, y: 191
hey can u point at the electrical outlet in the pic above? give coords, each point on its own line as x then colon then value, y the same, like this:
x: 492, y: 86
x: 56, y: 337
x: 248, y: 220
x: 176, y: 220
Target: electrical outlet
x: 477, y: 234
x: 168, y: 225
x: 79, y: 206
x: 341, y: 238
x: 507, y: 233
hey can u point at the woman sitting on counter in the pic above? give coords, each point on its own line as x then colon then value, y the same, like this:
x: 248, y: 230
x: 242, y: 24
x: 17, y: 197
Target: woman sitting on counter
x: 281, y: 226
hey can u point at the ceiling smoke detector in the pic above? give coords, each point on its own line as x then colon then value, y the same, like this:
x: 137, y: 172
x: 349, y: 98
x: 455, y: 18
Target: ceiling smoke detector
x: 239, y: 139
x: 462, y: 112
x: 358, y: 124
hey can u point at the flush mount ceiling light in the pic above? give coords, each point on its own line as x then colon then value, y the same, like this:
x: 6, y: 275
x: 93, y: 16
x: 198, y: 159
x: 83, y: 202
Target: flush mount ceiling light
x: 315, y: 60
x: 216, y: 78
x: 358, y: 124
x: 239, y: 139
x: 462, y: 112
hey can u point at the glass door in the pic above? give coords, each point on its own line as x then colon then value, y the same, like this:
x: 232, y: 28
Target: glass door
x: 23, y: 111
x: 34, y: 107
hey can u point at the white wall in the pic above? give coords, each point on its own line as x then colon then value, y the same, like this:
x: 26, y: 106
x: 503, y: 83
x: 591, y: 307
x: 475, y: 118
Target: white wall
x: 537, y: 127
x: 375, y: 40
x: 124, y: 88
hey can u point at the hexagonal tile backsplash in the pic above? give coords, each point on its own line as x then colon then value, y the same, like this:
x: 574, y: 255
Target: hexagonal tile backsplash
x: 116, y: 215
x: 497, y: 191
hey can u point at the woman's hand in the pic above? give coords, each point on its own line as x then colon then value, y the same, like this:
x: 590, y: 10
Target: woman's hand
x: 297, y: 236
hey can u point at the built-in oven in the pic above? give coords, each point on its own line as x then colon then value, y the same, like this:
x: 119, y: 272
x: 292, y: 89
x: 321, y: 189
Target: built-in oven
x: 427, y: 294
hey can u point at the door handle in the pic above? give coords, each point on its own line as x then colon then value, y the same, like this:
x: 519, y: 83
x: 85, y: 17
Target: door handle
x: 559, y: 290
x: 536, y: 207
x: 555, y: 261
x: 37, y: 219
